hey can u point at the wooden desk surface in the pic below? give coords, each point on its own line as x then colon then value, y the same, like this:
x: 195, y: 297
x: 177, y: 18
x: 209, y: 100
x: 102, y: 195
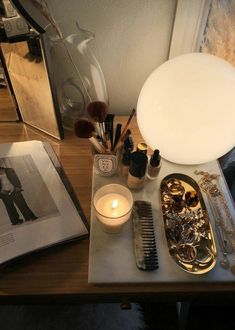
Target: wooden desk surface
x: 60, y: 273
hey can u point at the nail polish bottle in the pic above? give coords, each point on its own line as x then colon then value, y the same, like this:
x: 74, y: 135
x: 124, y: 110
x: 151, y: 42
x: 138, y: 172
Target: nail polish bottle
x: 128, y: 143
x: 137, y: 170
x: 154, y: 165
x: 126, y: 158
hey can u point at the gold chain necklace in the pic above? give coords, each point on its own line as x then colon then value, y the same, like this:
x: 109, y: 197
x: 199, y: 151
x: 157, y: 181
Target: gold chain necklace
x: 224, y: 222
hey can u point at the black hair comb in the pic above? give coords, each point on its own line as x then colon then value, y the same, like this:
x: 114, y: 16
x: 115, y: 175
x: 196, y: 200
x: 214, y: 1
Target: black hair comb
x: 144, y: 236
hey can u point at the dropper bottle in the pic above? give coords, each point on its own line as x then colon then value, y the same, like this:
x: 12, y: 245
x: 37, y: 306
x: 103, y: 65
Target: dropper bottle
x: 154, y: 165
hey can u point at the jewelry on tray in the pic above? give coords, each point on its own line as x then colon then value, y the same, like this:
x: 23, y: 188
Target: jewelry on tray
x: 224, y: 223
x: 188, y: 232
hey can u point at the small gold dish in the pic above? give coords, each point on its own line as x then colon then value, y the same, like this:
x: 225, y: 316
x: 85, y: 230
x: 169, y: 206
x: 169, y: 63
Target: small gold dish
x: 187, y: 227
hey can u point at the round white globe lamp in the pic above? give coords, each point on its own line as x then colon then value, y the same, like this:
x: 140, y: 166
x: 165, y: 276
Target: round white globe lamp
x: 186, y: 108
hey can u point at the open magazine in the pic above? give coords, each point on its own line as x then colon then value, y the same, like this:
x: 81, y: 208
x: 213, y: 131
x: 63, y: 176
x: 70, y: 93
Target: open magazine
x: 38, y: 207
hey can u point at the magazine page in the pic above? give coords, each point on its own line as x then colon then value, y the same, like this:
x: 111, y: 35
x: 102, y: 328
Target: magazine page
x: 36, y: 210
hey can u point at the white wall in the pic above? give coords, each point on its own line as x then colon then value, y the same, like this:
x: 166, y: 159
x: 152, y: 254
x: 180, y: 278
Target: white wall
x: 132, y: 38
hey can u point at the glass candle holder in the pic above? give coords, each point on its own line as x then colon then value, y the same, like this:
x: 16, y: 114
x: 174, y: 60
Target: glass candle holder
x: 106, y: 164
x: 113, y: 205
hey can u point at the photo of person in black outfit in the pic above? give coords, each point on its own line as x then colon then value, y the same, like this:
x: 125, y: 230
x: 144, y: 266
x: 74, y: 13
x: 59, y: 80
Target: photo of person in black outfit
x: 11, y: 195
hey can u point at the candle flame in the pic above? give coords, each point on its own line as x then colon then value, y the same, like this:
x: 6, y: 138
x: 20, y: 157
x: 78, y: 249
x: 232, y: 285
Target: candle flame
x: 114, y: 203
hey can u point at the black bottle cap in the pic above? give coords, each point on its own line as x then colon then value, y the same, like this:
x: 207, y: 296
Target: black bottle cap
x: 138, y: 164
x: 128, y: 143
x: 126, y: 157
x: 155, y: 158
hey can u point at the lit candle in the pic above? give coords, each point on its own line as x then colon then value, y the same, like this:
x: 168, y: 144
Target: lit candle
x: 113, y: 204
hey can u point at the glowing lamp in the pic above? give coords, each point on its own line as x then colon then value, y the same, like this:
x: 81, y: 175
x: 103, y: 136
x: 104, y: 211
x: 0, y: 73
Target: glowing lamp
x: 186, y: 108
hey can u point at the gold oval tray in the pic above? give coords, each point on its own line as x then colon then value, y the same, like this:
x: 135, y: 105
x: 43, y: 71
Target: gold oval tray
x: 187, y: 227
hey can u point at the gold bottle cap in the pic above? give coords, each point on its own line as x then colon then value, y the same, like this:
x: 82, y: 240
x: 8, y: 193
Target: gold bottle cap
x: 142, y: 147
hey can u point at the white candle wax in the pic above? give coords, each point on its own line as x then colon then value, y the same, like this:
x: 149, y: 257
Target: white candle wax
x: 113, y: 205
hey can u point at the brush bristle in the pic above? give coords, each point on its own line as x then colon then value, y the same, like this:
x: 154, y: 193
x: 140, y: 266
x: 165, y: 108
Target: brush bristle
x: 84, y: 128
x: 98, y: 111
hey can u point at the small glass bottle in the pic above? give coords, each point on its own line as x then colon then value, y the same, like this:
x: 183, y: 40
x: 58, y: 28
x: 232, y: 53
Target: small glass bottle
x: 126, y: 159
x: 154, y: 165
x: 128, y: 143
x: 137, y: 170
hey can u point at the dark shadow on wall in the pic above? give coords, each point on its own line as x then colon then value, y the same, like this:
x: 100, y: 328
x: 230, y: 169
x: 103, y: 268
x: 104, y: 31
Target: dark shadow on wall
x: 227, y: 163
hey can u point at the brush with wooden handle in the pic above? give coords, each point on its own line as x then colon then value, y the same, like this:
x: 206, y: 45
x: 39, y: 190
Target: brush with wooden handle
x: 98, y: 111
x: 108, y: 142
x: 127, y: 125
x: 121, y: 140
x: 85, y: 129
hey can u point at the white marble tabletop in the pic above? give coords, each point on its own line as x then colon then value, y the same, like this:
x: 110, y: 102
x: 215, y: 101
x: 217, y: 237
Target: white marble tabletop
x: 111, y: 256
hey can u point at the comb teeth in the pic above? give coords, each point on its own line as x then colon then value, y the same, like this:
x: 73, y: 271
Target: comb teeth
x: 144, y: 237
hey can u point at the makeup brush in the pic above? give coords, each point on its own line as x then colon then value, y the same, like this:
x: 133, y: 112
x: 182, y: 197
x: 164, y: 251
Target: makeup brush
x: 109, y: 126
x: 98, y: 111
x: 85, y: 129
x: 127, y: 124
x: 108, y: 142
x: 121, y: 140
x: 117, y: 135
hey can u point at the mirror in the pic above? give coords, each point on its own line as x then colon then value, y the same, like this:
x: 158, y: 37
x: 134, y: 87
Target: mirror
x: 27, y: 62
x: 8, y: 107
